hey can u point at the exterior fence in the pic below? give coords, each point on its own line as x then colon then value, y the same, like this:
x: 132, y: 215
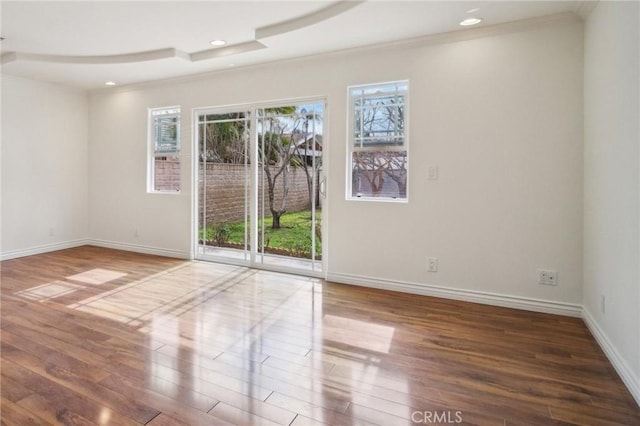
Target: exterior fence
x: 225, y: 192
x: 167, y: 174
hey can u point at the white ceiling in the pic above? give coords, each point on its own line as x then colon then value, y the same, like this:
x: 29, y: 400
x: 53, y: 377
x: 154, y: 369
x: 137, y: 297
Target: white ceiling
x: 86, y: 43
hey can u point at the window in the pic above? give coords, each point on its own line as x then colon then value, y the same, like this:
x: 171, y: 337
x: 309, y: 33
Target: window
x: 164, y: 150
x: 378, y: 159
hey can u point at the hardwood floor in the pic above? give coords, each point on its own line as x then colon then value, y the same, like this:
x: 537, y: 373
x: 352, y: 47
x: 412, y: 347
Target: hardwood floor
x: 98, y: 336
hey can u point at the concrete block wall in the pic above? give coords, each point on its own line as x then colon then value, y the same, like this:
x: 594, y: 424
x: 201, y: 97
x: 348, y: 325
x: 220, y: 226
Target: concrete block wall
x: 225, y: 192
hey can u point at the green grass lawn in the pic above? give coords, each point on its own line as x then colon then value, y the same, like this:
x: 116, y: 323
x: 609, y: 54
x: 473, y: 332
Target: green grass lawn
x: 292, y: 239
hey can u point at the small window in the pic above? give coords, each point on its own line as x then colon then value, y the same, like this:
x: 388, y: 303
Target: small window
x: 378, y: 155
x: 164, y: 150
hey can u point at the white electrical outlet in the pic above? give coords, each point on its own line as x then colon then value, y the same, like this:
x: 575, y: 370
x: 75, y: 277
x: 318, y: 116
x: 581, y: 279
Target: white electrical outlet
x: 432, y: 264
x: 547, y: 277
x: 602, y: 303
x: 543, y: 276
x: 52, y: 232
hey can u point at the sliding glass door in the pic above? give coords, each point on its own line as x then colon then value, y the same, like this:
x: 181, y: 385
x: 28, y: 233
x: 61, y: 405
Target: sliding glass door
x: 260, y: 186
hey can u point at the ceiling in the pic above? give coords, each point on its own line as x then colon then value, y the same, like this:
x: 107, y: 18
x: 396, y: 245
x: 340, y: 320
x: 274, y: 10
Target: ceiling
x: 87, y: 43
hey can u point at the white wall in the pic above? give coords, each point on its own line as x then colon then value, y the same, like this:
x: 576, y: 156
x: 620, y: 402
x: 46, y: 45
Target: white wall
x: 44, y: 166
x: 612, y: 184
x: 500, y: 115
x: 501, y: 118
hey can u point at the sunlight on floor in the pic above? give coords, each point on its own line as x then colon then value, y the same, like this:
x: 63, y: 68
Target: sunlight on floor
x: 97, y: 276
x: 138, y: 302
x: 212, y: 329
x: 366, y: 335
x: 48, y: 291
x: 61, y: 288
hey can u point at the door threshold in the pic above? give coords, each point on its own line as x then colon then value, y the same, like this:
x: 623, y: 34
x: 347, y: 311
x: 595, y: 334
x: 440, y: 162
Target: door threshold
x: 270, y: 262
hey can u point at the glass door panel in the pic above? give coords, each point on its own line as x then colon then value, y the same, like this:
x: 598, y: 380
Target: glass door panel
x: 289, y: 166
x: 223, y: 186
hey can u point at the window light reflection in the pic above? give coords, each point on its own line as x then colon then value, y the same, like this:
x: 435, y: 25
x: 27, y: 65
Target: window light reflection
x: 365, y: 335
x: 48, y: 291
x: 97, y: 276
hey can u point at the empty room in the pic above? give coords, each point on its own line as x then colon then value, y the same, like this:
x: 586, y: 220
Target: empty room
x: 320, y: 212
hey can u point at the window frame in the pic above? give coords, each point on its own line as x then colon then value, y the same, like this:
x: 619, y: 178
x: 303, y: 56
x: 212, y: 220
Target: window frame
x: 154, y: 152
x: 372, y: 91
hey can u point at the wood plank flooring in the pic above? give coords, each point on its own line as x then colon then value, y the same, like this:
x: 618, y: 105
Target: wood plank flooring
x: 92, y: 336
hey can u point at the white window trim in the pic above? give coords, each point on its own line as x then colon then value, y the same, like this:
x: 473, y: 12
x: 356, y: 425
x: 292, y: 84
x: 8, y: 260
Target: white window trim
x: 151, y: 147
x: 351, y: 143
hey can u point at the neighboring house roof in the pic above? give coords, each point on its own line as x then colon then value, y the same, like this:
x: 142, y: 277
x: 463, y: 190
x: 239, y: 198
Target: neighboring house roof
x: 308, y: 146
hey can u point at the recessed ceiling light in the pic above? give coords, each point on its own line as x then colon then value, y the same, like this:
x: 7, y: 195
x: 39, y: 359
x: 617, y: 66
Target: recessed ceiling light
x: 470, y: 21
x: 110, y: 83
x: 218, y: 42
x: 474, y: 10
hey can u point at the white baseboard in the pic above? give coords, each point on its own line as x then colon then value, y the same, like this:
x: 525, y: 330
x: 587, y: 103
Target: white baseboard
x: 14, y: 254
x: 139, y: 248
x: 631, y: 380
x: 494, y: 299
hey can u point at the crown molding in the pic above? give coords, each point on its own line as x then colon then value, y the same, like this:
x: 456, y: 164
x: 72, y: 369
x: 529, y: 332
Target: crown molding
x: 150, y: 55
x: 434, y: 39
x: 323, y: 14
x: 307, y: 20
x: 584, y: 8
x: 219, y: 52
